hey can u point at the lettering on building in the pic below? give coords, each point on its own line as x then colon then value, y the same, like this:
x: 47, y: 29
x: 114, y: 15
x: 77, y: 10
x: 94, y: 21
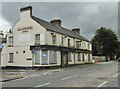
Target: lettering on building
x: 25, y: 29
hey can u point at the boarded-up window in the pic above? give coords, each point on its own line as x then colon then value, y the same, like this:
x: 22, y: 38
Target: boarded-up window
x: 53, y: 57
x: 83, y: 58
x: 69, y: 56
x: 88, y: 57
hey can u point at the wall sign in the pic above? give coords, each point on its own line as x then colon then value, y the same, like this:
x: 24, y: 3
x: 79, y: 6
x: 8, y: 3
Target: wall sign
x: 25, y: 29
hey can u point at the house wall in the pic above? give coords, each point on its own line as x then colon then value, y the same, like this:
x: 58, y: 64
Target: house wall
x: 23, y: 33
x: 23, y: 40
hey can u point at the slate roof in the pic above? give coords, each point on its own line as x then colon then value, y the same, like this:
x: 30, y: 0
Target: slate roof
x: 49, y: 26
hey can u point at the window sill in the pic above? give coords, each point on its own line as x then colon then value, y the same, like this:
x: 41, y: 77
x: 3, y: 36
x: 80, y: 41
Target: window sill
x: 10, y: 62
x: 10, y: 45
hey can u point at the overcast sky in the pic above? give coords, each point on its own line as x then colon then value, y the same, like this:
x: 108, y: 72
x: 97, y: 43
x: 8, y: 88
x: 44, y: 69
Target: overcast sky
x: 88, y: 16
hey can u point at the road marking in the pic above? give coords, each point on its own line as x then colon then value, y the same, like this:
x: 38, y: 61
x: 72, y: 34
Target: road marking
x: 89, y: 71
x: 67, y: 78
x: 102, y: 84
x: 43, y: 85
x: 71, y: 77
x: 115, y: 75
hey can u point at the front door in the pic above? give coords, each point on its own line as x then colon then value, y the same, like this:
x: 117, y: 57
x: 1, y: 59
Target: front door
x: 37, y: 57
x: 64, y: 59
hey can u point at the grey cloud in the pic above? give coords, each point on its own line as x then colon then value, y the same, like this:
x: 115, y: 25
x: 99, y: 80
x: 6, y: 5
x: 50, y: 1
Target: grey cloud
x: 88, y: 16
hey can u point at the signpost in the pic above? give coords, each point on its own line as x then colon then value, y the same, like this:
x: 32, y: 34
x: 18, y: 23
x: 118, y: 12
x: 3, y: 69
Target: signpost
x: 1, y: 46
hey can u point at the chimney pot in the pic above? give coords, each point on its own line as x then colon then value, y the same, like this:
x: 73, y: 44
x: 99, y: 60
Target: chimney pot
x: 56, y: 22
x: 26, y: 8
x: 77, y: 30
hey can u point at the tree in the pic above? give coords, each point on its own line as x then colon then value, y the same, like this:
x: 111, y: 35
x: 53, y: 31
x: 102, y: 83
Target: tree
x: 105, y: 43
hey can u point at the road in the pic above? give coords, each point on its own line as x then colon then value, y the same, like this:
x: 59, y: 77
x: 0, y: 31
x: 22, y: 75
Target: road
x: 94, y: 76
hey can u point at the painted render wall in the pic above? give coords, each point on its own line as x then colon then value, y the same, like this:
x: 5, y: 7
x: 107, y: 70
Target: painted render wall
x: 19, y: 46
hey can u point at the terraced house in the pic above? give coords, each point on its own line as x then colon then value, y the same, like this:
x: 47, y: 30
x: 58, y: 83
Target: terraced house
x: 34, y: 42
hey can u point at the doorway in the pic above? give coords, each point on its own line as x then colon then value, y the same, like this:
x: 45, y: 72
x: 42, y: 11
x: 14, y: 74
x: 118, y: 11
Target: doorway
x: 64, y: 58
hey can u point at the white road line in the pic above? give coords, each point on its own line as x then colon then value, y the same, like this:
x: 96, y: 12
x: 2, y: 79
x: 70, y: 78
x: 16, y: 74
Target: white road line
x: 102, y: 84
x: 115, y: 75
x: 70, y: 77
x: 67, y: 78
x: 89, y: 71
x: 43, y: 85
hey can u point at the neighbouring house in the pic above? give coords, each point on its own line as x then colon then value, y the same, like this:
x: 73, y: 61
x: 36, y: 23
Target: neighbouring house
x: 2, y: 50
x: 33, y: 42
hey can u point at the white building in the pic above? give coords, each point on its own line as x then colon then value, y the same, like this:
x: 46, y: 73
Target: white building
x: 35, y: 42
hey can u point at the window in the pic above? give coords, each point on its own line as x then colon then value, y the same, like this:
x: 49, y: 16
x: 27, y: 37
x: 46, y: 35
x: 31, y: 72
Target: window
x: 69, y: 57
x: 68, y: 42
x: 83, y: 58
x: 79, y: 57
x: 53, y: 39
x: 88, y: 57
x: 88, y: 46
x: 62, y: 40
x: 10, y: 57
x: 53, y: 57
x: 10, y: 40
x: 77, y: 44
x: 37, y: 38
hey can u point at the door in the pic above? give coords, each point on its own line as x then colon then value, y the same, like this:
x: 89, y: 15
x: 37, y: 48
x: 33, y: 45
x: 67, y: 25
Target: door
x: 37, y: 57
x: 44, y: 57
x: 64, y: 59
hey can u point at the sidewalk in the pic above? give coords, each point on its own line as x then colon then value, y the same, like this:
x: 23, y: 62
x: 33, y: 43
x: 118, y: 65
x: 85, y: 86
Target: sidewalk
x: 8, y: 76
x: 13, y: 74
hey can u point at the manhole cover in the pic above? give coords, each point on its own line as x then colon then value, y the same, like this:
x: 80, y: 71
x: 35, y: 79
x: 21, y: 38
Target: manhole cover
x: 102, y: 78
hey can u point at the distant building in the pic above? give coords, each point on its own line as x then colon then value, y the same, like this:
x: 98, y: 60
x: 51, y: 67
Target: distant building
x: 2, y: 50
x: 34, y: 42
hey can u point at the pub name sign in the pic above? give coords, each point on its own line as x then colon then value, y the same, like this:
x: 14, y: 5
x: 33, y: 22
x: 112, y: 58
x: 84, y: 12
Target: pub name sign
x: 25, y: 29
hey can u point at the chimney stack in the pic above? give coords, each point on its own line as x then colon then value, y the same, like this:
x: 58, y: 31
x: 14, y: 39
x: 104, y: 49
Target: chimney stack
x: 56, y: 22
x: 26, y: 11
x: 77, y: 30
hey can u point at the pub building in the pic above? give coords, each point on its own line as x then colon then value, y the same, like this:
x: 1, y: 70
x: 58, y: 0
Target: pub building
x: 33, y: 42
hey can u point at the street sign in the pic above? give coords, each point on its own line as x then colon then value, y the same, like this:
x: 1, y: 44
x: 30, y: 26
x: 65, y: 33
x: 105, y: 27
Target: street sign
x: 1, y: 46
x: 33, y: 51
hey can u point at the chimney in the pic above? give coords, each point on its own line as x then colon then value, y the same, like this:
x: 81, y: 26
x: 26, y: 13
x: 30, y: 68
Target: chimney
x: 26, y: 12
x: 56, y: 22
x: 77, y: 30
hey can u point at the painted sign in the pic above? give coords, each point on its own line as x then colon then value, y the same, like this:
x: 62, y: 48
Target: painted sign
x: 25, y: 29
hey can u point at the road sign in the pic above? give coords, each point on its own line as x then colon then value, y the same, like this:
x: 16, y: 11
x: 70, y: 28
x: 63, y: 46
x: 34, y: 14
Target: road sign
x: 1, y: 46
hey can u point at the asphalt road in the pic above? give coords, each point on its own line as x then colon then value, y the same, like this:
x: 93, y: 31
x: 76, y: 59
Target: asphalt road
x: 92, y: 76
